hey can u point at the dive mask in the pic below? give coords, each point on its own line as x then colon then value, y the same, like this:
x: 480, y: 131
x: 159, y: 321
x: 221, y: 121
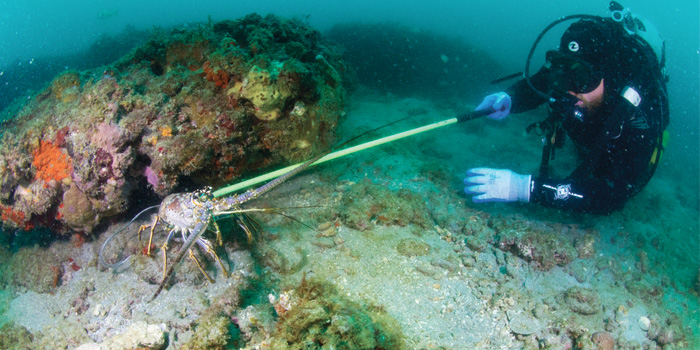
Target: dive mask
x: 569, y: 73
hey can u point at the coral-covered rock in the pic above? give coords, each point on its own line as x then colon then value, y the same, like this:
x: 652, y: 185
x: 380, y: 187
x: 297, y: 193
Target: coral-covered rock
x: 199, y: 106
x: 366, y: 204
x: 50, y: 163
x: 544, y: 244
x: 211, y: 333
x: 582, y: 300
x: 585, y: 246
x: 11, y: 336
x: 315, y: 314
x: 140, y: 335
x: 76, y: 210
x: 36, y: 199
x: 13, y: 165
x: 66, y: 86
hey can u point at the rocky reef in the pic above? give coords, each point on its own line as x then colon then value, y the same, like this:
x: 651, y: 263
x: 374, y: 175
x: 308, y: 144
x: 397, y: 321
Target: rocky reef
x: 193, y: 106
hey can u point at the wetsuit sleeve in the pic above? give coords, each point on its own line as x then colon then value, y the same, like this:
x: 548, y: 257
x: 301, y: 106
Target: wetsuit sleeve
x: 597, y: 196
x: 580, y: 191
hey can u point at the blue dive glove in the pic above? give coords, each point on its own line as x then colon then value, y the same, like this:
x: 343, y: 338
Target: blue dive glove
x: 499, y: 102
x: 497, y: 185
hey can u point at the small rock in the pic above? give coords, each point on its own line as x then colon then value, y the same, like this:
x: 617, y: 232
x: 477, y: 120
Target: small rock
x: 429, y: 271
x: 603, y: 340
x: 583, y: 300
x: 412, y: 247
x: 99, y: 311
x: 524, y: 324
x: 476, y: 244
x: 541, y: 310
x: 326, y: 230
x: 324, y: 242
x: 668, y: 335
x: 92, y: 327
x: 138, y: 335
x: 644, y: 323
x: 447, y: 265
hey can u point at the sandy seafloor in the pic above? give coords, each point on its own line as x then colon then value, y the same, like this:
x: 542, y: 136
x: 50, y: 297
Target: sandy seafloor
x: 463, y: 293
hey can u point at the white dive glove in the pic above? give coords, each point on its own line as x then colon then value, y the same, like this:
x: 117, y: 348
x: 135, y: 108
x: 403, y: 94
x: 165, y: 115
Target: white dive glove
x: 499, y: 102
x: 497, y: 185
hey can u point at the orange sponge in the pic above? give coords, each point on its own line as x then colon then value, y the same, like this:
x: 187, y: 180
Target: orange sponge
x: 51, y: 163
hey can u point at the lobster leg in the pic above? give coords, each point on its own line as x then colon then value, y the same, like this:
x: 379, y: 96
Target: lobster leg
x: 208, y: 248
x: 220, y: 243
x: 219, y: 239
x: 165, y: 250
x: 211, y: 280
x: 186, y: 245
x: 150, y: 238
x: 247, y: 230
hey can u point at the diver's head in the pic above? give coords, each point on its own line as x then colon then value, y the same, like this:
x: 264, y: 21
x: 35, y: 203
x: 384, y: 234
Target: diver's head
x: 589, y: 39
x: 579, y: 63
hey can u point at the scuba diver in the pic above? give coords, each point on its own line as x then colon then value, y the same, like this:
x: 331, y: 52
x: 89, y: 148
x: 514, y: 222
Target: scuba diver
x: 605, y: 88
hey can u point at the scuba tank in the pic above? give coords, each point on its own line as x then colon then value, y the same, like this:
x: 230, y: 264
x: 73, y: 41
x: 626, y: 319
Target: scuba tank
x: 647, y: 34
x: 643, y: 31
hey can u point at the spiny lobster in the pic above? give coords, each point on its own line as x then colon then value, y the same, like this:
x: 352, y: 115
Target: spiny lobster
x: 191, y: 214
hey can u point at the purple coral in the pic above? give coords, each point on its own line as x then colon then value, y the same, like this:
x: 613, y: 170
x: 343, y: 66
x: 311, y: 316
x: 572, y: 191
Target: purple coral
x: 151, y: 177
x: 112, y: 139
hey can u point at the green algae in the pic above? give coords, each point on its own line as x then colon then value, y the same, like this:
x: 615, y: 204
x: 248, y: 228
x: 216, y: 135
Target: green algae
x: 14, y: 337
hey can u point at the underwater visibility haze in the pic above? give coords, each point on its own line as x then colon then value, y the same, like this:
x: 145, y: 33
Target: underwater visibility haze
x: 124, y: 122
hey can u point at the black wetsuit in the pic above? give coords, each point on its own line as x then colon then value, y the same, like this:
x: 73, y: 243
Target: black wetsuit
x: 618, y: 145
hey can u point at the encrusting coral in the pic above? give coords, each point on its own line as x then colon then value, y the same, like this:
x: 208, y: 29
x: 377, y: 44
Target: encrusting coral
x: 194, y: 107
x: 314, y: 315
x: 267, y: 98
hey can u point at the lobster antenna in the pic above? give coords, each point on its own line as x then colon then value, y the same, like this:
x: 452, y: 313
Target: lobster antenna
x: 101, y: 256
